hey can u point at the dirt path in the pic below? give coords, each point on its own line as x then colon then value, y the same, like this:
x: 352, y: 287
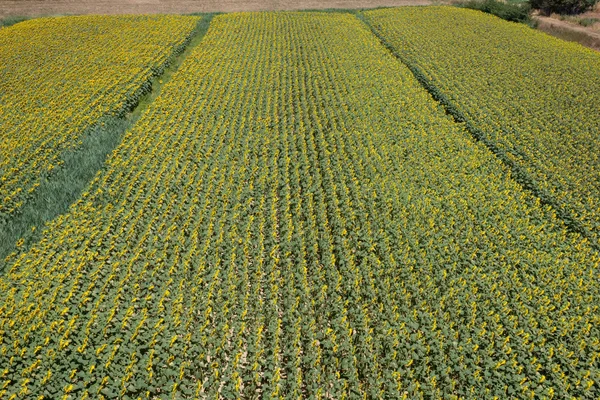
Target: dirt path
x: 569, y: 31
x: 568, y: 25
x: 54, y: 7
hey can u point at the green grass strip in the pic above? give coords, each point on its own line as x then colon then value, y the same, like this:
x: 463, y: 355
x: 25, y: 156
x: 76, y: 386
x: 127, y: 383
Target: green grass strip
x: 10, y: 21
x: 58, y: 191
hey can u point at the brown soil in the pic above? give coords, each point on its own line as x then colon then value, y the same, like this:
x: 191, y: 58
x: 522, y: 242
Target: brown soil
x: 70, y: 7
x: 587, y: 36
x: 568, y: 25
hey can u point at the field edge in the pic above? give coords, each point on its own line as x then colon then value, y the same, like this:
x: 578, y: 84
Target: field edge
x: 59, y: 191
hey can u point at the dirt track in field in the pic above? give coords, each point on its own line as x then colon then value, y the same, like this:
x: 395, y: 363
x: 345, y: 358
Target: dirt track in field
x: 587, y: 36
x: 69, y: 7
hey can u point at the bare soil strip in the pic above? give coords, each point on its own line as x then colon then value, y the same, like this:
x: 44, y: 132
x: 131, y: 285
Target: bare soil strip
x: 568, y: 31
x: 568, y: 25
x: 70, y: 7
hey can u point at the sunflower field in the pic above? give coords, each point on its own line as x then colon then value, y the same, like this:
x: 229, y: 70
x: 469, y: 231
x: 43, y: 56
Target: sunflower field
x: 59, y: 76
x: 534, y: 99
x: 294, y: 216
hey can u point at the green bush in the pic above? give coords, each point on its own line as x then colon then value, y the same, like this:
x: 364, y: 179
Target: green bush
x: 516, y: 12
x: 8, y: 21
x: 563, y: 6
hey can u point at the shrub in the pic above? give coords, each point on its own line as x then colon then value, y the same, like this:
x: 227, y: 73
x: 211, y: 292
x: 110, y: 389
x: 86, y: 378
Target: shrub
x: 562, y: 6
x: 516, y: 12
x: 8, y: 21
x: 588, y: 21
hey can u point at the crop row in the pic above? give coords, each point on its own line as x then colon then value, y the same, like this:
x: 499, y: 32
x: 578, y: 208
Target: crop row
x: 534, y: 99
x: 295, y: 217
x: 59, y: 76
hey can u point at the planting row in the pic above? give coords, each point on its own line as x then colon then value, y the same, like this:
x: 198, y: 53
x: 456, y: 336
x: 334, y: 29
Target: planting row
x: 295, y: 217
x: 534, y: 99
x: 60, y: 76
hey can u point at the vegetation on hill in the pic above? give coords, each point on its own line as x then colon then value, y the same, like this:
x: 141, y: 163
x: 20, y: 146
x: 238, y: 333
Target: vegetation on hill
x: 10, y: 21
x: 563, y: 6
x: 510, y: 11
x: 296, y: 216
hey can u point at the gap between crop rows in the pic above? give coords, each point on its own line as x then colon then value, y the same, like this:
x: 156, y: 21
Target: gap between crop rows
x: 517, y: 173
x: 57, y: 192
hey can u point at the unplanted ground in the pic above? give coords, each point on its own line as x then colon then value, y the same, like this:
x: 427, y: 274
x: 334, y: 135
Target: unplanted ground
x: 53, y: 7
x: 587, y: 36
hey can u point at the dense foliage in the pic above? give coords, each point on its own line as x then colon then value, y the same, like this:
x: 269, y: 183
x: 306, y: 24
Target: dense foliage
x: 533, y: 98
x: 59, y: 76
x: 9, y: 21
x: 514, y: 12
x: 563, y: 6
x: 294, y: 216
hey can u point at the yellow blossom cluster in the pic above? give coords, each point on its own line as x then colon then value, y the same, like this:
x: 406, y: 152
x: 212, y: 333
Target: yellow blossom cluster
x: 295, y: 217
x: 532, y: 97
x: 59, y: 76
